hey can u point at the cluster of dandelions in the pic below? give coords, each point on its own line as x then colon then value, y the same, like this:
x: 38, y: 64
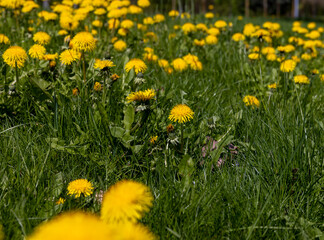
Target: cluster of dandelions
x: 123, y: 205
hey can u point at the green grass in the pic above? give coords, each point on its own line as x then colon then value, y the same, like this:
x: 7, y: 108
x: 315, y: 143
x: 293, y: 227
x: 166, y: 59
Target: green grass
x: 271, y: 188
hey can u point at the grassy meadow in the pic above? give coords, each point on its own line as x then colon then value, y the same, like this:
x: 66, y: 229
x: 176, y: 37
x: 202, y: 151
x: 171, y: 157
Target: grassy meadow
x: 239, y: 167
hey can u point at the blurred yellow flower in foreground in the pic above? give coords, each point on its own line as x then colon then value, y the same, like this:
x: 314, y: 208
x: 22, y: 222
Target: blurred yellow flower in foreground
x: 72, y: 226
x: 125, y: 201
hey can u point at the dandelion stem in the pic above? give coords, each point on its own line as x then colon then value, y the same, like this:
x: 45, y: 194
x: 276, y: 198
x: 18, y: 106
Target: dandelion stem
x: 16, y: 68
x: 83, y: 66
x: 181, y: 138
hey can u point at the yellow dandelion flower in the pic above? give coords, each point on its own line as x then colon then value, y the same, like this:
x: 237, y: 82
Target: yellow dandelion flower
x: 114, y: 77
x: 73, y: 225
x: 220, y: 24
x: 15, y: 55
x: 209, y: 15
x: 100, y: 11
x: 311, y: 25
x: 113, y: 23
x: 125, y: 201
x: 97, y: 23
x: 301, y: 79
x: 173, y: 13
x: 120, y: 46
x: 211, y: 40
x: 84, y: 41
x: 150, y: 57
x: 148, y: 21
x: 123, y: 32
x: 288, y: 66
x: 193, y: 62
x: 181, y: 113
x: 254, y: 56
x: 103, y: 64
x: 80, y: 186
x: 213, y: 31
x: 60, y: 201
x: 261, y: 33
x: 153, y: 139
x: 251, y: 101
x: 133, y: 9
x: 134, y: 231
x: 50, y: 57
x: 322, y: 77
x: 201, y: 27
x: 273, y: 86
x: 62, y: 32
x: 159, y: 18
x: 315, y: 71
x: 68, y: 56
x: 128, y: 24
x: 179, y: 64
x: 97, y: 86
x: 238, y: 37
x: 143, y: 3
x: 249, y: 29
x: 4, y: 39
x: 37, y: 51
x: 268, y: 50
x: 163, y: 63
x: 271, y: 57
x: 188, y: 28
x: 137, y: 64
x: 199, y: 43
x: 141, y: 96
x: 42, y: 38
x: 75, y: 91
x: 306, y: 56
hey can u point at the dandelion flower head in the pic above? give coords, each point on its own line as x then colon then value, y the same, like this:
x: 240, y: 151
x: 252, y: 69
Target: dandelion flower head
x: 251, y: 101
x: 120, y: 46
x: 80, y: 186
x: 179, y: 64
x: 103, y: 64
x: 15, y: 55
x: 84, y: 41
x: 68, y: 56
x: 141, y: 96
x: 287, y: 66
x: 4, y: 39
x: 181, y: 113
x: 134, y: 231
x: 301, y: 79
x: 42, y: 38
x: 125, y: 201
x: 37, y: 51
x: 72, y: 225
x: 137, y: 64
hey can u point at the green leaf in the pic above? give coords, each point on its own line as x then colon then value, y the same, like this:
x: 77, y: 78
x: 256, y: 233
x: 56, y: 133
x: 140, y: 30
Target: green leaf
x: 58, y: 185
x: 186, y: 166
x: 129, y: 116
x: 117, y: 132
